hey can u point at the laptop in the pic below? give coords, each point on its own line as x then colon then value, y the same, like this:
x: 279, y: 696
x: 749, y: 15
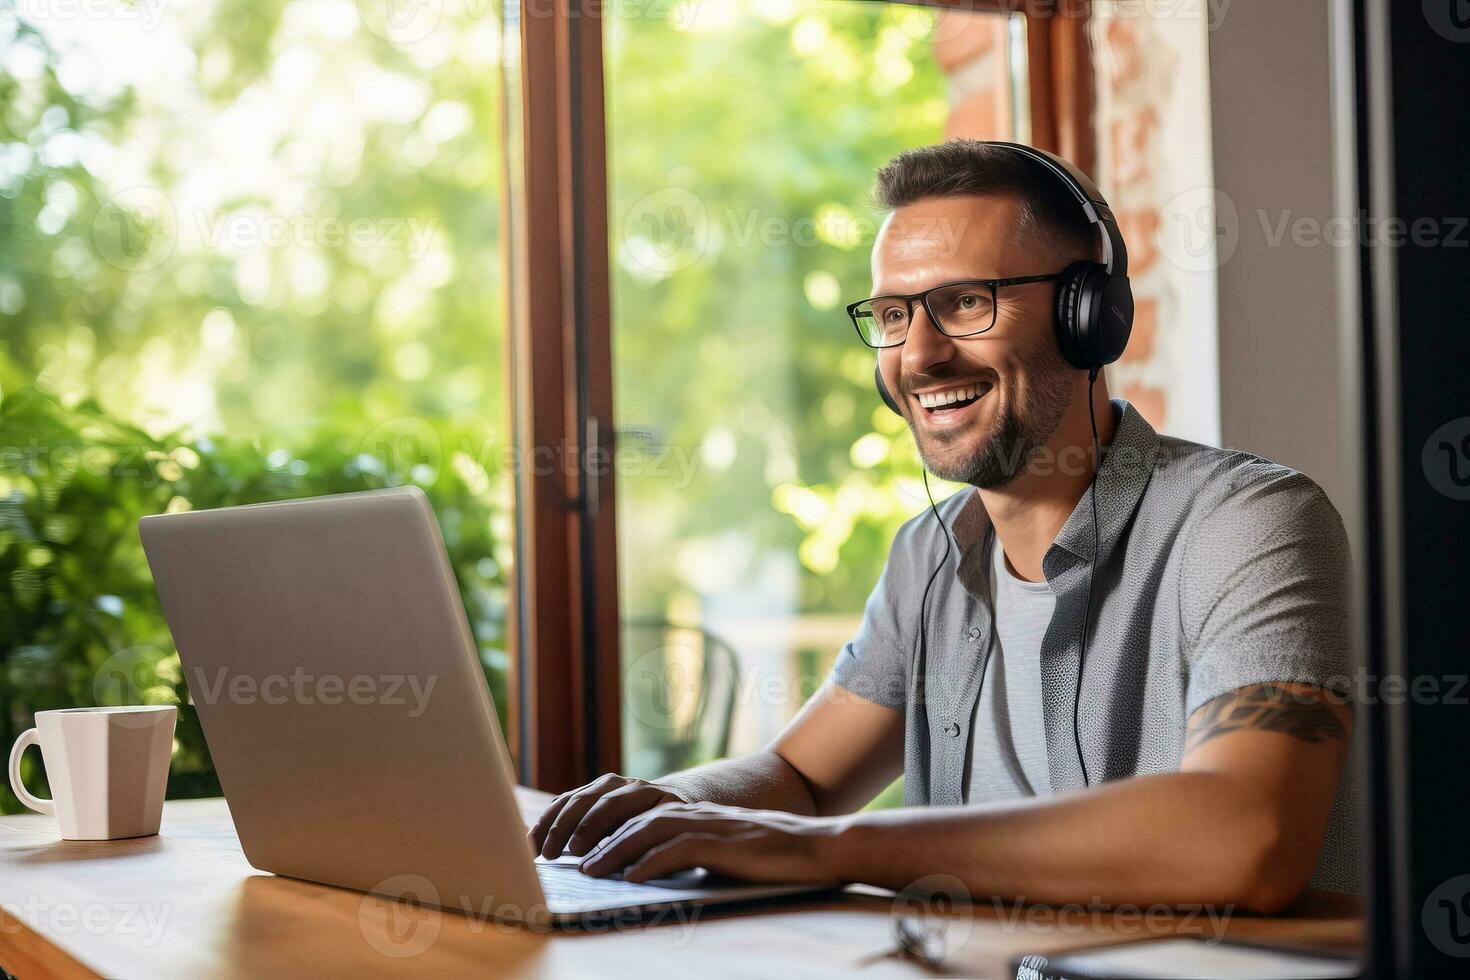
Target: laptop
x: 341, y: 694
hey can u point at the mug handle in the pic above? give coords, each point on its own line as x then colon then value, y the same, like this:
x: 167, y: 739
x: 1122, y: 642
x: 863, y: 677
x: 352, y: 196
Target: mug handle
x: 27, y: 738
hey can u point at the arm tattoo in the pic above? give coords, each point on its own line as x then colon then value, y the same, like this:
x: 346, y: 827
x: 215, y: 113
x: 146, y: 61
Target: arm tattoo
x: 1267, y: 708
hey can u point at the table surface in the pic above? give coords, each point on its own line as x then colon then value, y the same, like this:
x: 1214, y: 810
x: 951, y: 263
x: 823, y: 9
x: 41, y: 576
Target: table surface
x: 186, y: 903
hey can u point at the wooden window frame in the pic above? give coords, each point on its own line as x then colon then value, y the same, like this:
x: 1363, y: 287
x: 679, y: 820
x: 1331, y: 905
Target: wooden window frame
x: 565, y: 691
x: 1058, y: 71
x: 563, y: 622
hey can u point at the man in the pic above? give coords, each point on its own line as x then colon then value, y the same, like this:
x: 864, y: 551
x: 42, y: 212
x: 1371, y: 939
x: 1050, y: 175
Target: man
x: 1197, y: 759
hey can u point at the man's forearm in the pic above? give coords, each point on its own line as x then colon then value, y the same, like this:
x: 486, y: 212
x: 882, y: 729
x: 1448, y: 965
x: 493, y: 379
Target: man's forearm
x: 1168, y: 838
x: 761, y: 781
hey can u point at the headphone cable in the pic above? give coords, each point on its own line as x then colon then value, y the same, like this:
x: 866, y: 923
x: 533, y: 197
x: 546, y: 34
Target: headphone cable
x: 924, y: 602
x: 1091, y: 569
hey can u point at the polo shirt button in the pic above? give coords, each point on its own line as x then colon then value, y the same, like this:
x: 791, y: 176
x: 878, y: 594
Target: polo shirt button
x: 952, y: 730
x: 974, y: 632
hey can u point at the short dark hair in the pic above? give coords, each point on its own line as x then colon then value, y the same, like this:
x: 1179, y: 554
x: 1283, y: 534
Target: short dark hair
x: 1050, y: 214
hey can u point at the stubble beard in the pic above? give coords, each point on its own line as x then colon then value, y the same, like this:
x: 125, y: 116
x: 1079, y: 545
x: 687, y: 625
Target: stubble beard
x: 1021, y: 428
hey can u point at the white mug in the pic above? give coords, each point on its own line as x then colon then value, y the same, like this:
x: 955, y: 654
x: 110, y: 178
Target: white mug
x: 107, y: 768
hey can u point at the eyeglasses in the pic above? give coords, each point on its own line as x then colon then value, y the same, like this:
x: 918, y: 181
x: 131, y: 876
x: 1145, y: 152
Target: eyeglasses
x: 958, y: 309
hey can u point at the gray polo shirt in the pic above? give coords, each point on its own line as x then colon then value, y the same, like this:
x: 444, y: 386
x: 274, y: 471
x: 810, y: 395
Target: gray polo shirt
x: 1215, y: 570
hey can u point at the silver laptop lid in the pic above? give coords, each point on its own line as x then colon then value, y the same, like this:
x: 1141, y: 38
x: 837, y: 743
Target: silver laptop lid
x: 342, y: 698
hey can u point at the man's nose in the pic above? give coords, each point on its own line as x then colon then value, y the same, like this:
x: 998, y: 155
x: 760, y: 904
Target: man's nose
x: 925, y: 346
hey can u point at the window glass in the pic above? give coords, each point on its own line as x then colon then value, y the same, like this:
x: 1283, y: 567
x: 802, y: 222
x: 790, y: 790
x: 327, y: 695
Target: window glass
x: 249, y: 251
x: 760, y: 479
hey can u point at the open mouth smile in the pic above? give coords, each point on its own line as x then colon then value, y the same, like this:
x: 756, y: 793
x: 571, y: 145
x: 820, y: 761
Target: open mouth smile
x: 950, y: 405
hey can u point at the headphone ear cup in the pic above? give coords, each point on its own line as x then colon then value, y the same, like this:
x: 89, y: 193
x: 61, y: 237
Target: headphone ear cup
x: 884, y: 393
x: 1094, y: 315
x: 1069, y: 326
x: 1112, y: 319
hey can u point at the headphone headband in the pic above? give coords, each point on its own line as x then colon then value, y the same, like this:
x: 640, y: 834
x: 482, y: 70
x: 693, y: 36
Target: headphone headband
x: 1115, y: 253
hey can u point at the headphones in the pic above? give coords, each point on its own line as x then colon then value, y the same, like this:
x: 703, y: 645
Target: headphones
x: 1094, y: 311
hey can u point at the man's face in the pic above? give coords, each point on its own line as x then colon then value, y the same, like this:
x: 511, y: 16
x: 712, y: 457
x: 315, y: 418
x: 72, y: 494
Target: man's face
x: 1024, y: 384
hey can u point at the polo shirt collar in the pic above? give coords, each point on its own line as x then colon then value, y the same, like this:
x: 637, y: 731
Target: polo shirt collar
x: 1127, y: 465
x: 1128, y: 462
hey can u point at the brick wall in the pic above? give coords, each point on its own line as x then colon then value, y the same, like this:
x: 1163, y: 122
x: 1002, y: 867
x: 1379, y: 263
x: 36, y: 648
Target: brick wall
x: 1153, y: 148
x: 971, y: 51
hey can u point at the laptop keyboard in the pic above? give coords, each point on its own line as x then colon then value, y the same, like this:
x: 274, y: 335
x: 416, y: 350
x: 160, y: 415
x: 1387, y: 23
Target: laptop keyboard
x: 567, y: 888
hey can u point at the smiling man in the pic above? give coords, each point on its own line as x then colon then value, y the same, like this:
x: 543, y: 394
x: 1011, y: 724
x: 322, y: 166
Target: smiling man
x: 1102, y: 683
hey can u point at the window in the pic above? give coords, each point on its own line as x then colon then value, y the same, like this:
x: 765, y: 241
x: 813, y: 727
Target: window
x: 248, y: 253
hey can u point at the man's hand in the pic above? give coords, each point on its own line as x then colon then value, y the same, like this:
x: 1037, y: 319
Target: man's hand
x: 754, y: 845
x: 580, y: 818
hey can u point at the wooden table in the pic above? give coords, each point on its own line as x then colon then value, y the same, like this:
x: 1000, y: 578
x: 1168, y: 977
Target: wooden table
x: 186, y: 904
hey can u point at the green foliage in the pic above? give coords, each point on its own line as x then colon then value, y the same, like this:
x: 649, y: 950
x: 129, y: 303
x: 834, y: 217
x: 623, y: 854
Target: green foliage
x: 80, y: 622
x: 282, y: 226
x: 742, y: 156
x: 244, y: 256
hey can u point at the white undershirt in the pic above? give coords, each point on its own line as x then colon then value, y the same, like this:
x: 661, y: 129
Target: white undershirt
x: 1008, y: 740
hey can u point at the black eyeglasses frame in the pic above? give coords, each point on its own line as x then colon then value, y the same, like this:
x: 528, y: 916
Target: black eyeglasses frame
x: 923, y: 297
